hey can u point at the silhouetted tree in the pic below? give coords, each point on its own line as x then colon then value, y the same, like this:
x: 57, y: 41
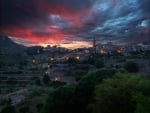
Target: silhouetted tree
x: 60, y: 100
x: 131, y: 67
x: 8, y: 109
x: 46, y: 79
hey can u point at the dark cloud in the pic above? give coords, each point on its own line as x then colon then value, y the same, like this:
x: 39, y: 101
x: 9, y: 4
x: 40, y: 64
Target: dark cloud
x: 73, y: 4
x: 14, y: 12
x: 144, y: 5
x: 51, y: 21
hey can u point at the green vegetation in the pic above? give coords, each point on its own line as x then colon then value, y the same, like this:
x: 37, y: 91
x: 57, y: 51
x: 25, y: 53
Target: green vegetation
x: 107, y: 90
x: 99, y: 64
x: 142, y: 103
x: 8, y: 109
x: 117, y: 94
x: 46, y: 79
x: 12, y: 62
x: 60, y: 100
x: 85, y: 87
x: 104, y: 91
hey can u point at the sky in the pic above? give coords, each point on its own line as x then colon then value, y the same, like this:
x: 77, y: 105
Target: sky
x: 74, y: 23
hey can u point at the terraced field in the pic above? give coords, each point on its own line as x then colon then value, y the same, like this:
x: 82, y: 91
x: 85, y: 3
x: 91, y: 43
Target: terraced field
x: 18, y: 80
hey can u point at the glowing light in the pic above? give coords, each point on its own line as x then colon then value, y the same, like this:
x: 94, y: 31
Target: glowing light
x: 102, y: 51
x: 57, y: 79
x: 51, y: 59
x: 119, y: 51
x: 78, y: 57
x: 33, y: 61
x: 67, y: 58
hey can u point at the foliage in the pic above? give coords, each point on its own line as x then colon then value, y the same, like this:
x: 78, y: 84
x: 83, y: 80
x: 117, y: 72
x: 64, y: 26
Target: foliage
x: 71, y: 60
x: 99, y: 64
x: 46, y: 79
x: 38, y: 81
x: 71, y: 99
x: 60, y: 100
x: 142, y: 103
x: 116, y: 94
x: 35, y: 90
x: 109, y: 90
x: 90, y: 60
x: 131, y: 67
x: 24, y: 109
x: 86, y: 85
x: 8, y: 109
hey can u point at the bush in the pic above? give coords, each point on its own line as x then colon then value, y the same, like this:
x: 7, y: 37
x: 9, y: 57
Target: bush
x: 131, y: 67
x: 142, y: 103
x: 71, y: 61
x: 46, y: 79
x: 60, y: 100
x: 8, y: 109
x: 99, y: 64
x: 24, y: 109
x: 35, y: 90
x: 38, y: 82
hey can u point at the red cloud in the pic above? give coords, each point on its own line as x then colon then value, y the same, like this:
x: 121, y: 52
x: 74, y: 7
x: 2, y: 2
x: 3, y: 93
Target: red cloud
x: 36, y: 30
x: 73, y: 17
x: 31, y: 36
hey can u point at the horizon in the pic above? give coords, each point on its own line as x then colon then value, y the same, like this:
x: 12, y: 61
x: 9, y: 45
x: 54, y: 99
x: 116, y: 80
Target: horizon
x: 69, y: 46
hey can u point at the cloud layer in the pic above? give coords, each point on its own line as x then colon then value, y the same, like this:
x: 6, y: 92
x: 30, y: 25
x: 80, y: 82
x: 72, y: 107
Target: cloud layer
x: 60, y: 21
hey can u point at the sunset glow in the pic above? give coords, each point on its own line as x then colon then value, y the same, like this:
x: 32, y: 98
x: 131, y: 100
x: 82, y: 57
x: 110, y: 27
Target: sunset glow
x: 38, y: 22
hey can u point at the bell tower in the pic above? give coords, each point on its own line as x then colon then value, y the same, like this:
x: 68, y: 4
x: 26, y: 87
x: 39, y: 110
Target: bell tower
x: 94, y: 45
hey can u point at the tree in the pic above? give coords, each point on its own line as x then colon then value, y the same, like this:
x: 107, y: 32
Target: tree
x: 115, y: 94
x: 71, y: 60
x: 60, y: 100
x: 8, y: 109
x: 38, y: 81
x: 75, y: 99
x: 24, y: 109
x: 131, y: 67
x: 99, y: 64
x: 142, y: 103
x: 86, y: 85
x: 46, y: 79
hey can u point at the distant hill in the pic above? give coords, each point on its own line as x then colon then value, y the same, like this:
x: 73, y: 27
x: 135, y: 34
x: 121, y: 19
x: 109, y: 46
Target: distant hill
x: 7, y: 46
x: 34, y: 50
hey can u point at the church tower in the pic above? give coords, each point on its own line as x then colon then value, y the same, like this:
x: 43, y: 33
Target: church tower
x: 94, y: 45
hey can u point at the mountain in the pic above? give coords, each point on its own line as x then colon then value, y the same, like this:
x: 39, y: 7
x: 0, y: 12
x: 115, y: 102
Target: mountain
x: 7, y: 46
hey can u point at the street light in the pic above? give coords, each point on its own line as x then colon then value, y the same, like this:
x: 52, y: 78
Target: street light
x: 51, y: 59
x: 57, y: 78
x: 33, y: 61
